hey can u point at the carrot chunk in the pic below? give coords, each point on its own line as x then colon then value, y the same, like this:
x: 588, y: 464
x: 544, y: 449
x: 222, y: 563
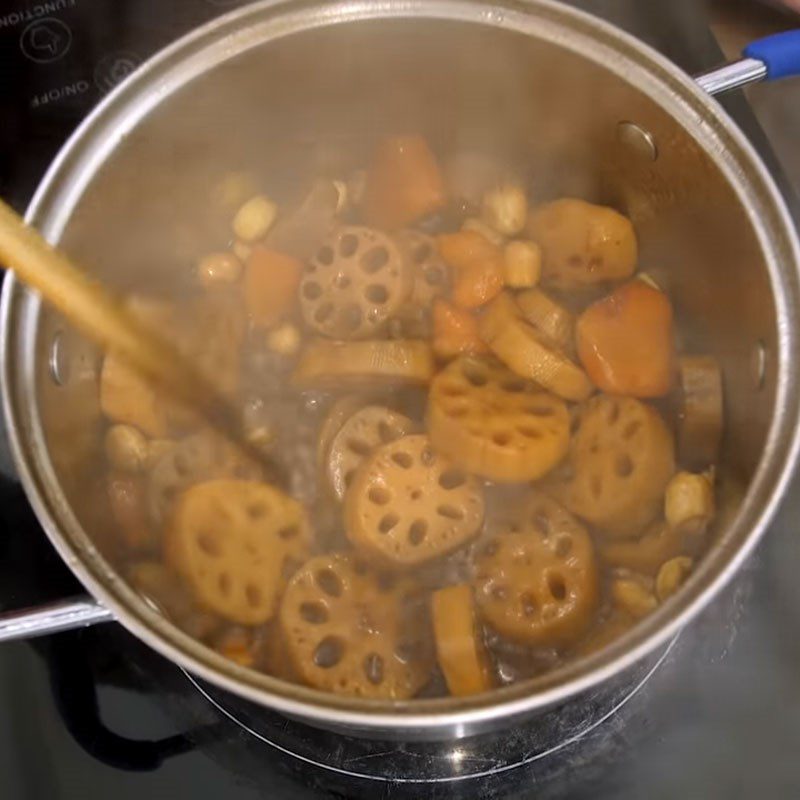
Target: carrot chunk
x: 455, y: 331
x: 477, y: 264
x: 270, y: 285
x: 625, y: 341
x: 404, y: 183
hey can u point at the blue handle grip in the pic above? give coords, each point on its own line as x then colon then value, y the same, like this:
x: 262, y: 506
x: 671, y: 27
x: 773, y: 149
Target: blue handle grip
x: 781, y: 54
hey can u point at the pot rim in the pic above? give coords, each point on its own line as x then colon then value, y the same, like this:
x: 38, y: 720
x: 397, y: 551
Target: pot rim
x: 259, y: 24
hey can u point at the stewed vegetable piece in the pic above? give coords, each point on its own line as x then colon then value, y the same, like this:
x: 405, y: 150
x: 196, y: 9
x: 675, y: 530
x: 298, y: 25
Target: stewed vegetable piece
x: 490, y: 439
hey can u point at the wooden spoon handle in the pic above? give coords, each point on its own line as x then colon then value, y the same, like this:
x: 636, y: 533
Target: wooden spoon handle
x: 100, y: 315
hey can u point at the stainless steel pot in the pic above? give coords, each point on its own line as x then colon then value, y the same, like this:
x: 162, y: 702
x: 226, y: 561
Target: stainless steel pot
x: 295, y: 87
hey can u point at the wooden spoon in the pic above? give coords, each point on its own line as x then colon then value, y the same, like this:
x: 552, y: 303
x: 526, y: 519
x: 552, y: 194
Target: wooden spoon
x: 101, y: 315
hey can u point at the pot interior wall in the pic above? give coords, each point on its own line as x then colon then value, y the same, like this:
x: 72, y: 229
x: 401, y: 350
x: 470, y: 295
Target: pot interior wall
x: 314, y: 102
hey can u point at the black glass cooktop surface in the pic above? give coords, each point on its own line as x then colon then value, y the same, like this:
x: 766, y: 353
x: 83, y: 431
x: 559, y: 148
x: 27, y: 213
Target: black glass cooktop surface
x: 96, y: 714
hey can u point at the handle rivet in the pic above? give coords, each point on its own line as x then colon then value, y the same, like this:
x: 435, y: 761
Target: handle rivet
x: 59, y: 361
x: 758, y: 364
x: 637, y: 139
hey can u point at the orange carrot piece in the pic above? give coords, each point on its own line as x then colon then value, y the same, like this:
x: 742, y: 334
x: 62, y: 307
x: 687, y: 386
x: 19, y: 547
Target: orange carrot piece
x: 271, y: 282
x: 625, y: 341
x: 477, y: 264
x: 477, y: 284
x: 455, y: 331
x: 461, y: 249
x: 404, y: 183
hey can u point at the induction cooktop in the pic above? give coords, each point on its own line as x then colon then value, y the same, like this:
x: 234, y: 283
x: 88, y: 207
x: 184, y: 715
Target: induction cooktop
x: 96, y: 714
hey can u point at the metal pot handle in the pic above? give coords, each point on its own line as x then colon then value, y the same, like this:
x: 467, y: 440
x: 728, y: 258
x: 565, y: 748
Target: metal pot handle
x: 768, y: 59
x: 63, y: 615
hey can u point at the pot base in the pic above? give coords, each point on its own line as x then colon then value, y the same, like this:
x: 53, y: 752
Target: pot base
x: 436, y: 762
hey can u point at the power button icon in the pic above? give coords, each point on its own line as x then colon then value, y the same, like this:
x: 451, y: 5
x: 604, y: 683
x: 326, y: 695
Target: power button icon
x: 45, y: 40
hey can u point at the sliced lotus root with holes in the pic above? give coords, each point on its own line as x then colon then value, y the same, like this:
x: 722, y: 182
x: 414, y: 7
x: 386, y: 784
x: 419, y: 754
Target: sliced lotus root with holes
x: 329, y: 365
x: 234, y: 544
x: 621, y: 459
x: 529, y: 352
x: 366, y: 430
x: 550, y: 318
x: 191, y: 460
x: 407, y: 504
x: 429, y: 274
x: 536, y: 578
x: 351, y: 631
x: 337, y: 415
x: 700, y: 421
x: 356, y: 281
x: 494, y: 423
x: 460, y: 649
